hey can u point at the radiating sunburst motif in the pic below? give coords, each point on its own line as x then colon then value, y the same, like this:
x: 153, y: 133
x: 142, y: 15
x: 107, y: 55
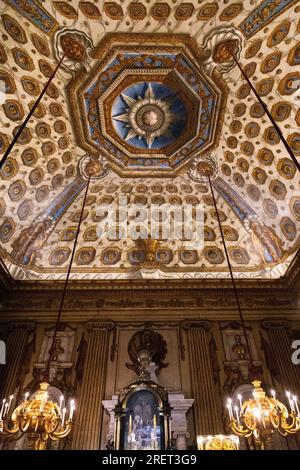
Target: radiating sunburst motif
x: 147, y: 117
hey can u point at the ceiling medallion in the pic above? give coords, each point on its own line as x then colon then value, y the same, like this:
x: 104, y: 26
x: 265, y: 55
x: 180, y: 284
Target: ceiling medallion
x: 147, y: 117
x: 132, y: 104
x: 218, y: 46
x: 94, y: 168
x: 76, y: 45
x: 202, y: 167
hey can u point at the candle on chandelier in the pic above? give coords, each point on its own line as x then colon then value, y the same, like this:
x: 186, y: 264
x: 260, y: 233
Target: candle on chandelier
x: 5, y: 409
x: 9, y: 404
x: 273, y: 394
x: 130, y: 425
x: 229, y: 407
x: 61, y: 399
x: 296, y: 404
x: 72, y: 408
x: 200, y: 442
x: 154, y: 423
x: 26, y: 396
x: 2, y: 408
x: 290, y: 401
x: 236, y: 409
x: 240, y: 402
x: 63, y: 417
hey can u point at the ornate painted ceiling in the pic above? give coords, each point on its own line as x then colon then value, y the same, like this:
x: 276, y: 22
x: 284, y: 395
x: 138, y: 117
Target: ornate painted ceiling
x: 145, y: 96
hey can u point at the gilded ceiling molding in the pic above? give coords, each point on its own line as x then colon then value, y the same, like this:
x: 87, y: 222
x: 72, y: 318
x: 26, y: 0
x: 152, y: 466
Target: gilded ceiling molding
x: 267, y: 11
x: 118, y: 85
x: 34, y: 12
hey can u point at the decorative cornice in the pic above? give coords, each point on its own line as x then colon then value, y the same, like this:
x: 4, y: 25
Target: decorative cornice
x: 192, y: 324
x: 275, y: 324
x: 100, y: 326
x: 21, y: 326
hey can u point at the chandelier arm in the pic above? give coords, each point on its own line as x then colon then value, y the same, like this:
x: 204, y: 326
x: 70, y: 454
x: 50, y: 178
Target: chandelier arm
x: 231, y: 272
x: 61, y: 434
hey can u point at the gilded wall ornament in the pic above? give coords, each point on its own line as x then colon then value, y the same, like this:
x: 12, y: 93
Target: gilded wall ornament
x: 22, y: 59
x: 96, y: 168
x: 217, y: 46
x: 288, y: 228
x: 279, y: 34
x: 160, y: 11
x: 207, y: 11
x: 201, y: 166
x: 90, y: 10
x: 40, y: 44
x: 278, y: 189
x: 13, y: 110
x: 77, y: 47
x: 231, y: 11
x: 66, y: 10
x: 137, y: 11
x: 286, y: 168
x: 262, y: 14
x: 85, y: 256
x: 294, y: 55
x: 7, y: 229
x: 113, y: 10
x: 184, y: 11
x: 36, y: 13
x: 289, y: 84
x: 14, y: 29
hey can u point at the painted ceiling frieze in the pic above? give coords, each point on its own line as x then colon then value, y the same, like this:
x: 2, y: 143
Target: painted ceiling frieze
x: 263, y: 14
x: 34, y: 12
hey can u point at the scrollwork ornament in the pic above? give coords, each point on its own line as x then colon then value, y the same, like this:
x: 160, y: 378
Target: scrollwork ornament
x: 96, y: 168
x: 219, y: 45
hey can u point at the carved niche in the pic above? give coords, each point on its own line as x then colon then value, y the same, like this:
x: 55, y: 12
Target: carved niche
x: 147, y: 340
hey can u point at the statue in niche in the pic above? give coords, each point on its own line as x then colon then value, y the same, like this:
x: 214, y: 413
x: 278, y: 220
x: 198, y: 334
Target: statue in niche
x: 234, y: 378
x: 239, y: 348
x: 57, y: 350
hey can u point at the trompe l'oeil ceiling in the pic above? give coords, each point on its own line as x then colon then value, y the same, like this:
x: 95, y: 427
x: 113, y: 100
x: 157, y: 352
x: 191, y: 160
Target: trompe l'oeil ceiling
x: 147, y: 95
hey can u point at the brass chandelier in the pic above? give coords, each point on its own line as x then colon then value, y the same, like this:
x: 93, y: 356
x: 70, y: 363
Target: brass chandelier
x: 260, y: 416
x: 38, y: 417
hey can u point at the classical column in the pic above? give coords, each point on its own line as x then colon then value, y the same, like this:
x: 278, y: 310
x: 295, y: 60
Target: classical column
x: 15, y: 349
x: 208, y: 418
x: 281, y: 345
x: 88, y: 420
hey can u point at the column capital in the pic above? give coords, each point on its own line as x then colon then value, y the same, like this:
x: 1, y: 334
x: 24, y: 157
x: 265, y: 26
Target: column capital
x: 192, y: 324
x: 275, y: 324
x: 100, y: 325
x: 21, y: 326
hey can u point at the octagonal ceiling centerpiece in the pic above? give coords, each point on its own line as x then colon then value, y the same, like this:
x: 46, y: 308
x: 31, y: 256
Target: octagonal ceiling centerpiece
x: 134, y: 105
